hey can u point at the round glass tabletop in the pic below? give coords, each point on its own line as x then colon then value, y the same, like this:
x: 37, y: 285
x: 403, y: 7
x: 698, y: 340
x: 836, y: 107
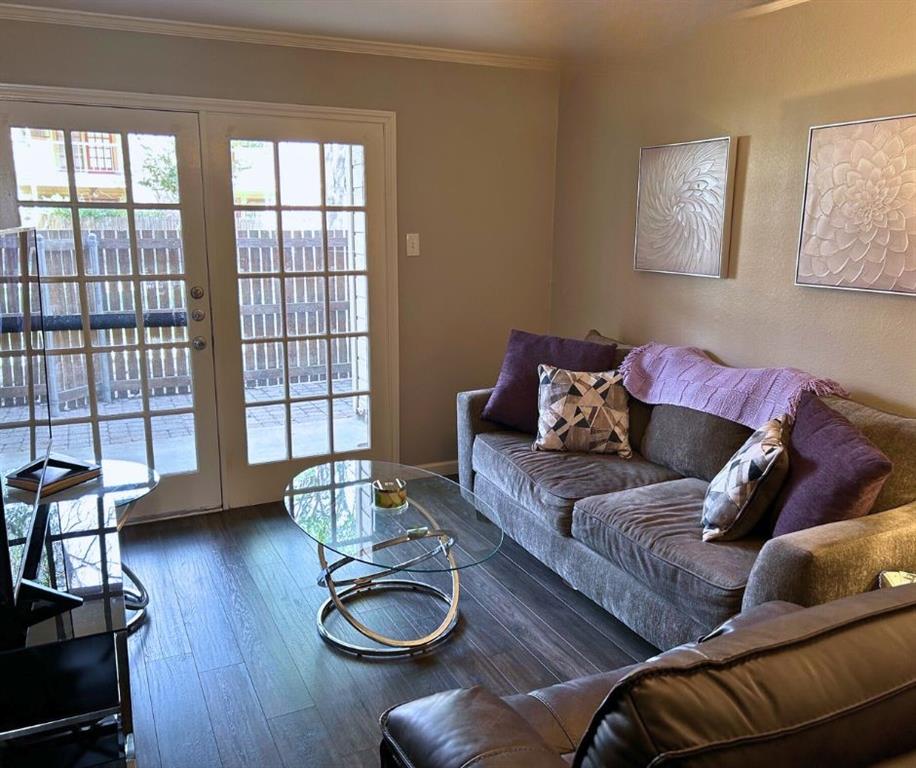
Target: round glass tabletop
x: 337, y: 505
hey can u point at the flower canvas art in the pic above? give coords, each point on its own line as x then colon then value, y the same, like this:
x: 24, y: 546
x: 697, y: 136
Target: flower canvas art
x: 683, y: 205
x: 859, y: 222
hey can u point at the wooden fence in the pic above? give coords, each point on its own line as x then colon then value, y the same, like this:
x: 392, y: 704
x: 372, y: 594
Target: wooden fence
x: 112, y: 313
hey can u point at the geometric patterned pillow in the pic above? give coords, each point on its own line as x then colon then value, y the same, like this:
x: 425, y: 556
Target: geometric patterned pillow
x: 579, y: 411
x: 738, y: 497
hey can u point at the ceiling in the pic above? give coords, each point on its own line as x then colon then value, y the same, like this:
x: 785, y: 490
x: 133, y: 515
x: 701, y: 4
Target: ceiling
x: 554, y: 29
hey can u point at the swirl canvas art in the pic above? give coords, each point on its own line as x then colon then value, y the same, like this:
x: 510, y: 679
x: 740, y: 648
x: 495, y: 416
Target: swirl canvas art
x: 683, y: 207
x: 859, y: 221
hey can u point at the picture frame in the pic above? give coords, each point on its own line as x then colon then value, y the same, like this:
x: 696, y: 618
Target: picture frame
x: 858, y: 218
x: 683, y: 207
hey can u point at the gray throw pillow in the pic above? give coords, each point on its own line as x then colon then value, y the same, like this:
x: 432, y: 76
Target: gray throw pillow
x: 739, y: 496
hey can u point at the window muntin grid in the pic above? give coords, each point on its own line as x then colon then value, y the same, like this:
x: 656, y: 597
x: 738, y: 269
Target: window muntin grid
x: 300, y: 230
x: 97, y: 240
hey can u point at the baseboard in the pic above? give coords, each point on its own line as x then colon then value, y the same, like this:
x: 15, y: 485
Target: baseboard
x: 442, y: 467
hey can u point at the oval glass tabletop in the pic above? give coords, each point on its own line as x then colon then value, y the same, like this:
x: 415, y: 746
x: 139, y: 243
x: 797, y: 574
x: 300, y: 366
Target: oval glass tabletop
x: 335, y: 504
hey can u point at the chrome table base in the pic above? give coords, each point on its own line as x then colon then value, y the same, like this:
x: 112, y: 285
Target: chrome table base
x: 353, y: 589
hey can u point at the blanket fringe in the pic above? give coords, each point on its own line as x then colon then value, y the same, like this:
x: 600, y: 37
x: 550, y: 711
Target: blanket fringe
x: 624, y: 368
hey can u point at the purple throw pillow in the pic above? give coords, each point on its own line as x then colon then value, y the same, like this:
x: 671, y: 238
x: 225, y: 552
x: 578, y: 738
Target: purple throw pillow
x: 835, y: 472
x: 514, y: 402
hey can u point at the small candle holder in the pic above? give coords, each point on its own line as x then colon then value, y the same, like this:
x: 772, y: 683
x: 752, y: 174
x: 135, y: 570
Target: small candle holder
x: 390, y: 494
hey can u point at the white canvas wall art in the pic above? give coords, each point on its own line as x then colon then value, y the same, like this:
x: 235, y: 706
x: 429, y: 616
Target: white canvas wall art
x: 858, y: 226
x: 683, y: 207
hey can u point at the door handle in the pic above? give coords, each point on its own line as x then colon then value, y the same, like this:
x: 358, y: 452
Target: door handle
x: 197, y: 292
x: 199, y: 342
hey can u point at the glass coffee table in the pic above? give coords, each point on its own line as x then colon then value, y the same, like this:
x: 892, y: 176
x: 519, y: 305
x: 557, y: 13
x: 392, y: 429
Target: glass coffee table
x: 437, y: 529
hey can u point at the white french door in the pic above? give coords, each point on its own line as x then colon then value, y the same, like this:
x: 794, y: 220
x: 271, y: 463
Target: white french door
x: 296, y: 212
x: 116, y: 197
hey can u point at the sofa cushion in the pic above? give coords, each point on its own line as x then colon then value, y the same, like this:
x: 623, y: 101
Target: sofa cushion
x: 550, y: 483
x: 895, y: 437
x: 692, y: 443
x: 654, y: 534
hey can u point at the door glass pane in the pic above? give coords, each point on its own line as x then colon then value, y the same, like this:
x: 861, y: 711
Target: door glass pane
x: 308, y: 367
x: 256, y: 243
x: 106, y: 241
x: 300, y: 173
x: 259, y: 308
x: 123, y: 439
x: 263, y: 367
x: 304, y: 306
x: 112, y: 313
x: 75, y: 440
x: 174, y: 443
x: 98, y: 161
x: 310, y: 428
x: 159, y: 241
x: 118, y: 388
x: 165, y: 315
x: 153, y: 168
x: 347, y: 240
x: 266, y: 427
x: 253, y: 179
x: 56, y: 251
x: 350, y: 364
x: 40, y: 162
x: 61, y: 309
x: 344, y: 174
x: 303, y: 241
x: 349, y: 303
x: 12, y: 321
x: 351, y: 423
x: 68, y: 385
x: 14, y: 389
x: 168, y: 378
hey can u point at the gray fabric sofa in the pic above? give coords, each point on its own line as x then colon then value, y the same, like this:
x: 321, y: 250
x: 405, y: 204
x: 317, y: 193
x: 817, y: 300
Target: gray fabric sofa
x: 833, y: 685
x: 627, y: 532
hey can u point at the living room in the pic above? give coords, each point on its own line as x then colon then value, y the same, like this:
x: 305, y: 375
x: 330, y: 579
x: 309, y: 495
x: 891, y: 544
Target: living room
x: 431, y: 383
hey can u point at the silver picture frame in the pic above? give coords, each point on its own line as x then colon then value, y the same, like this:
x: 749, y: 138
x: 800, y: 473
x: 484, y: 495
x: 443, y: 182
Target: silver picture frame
x: 726, y: 147
x: 805, y: 202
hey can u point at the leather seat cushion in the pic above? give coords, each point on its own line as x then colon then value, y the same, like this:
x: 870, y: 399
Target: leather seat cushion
x: 654, y: 534
x: 549, y: 483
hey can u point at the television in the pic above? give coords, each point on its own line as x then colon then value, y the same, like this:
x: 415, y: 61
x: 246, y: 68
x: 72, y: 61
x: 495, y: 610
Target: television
x: 25, y: 434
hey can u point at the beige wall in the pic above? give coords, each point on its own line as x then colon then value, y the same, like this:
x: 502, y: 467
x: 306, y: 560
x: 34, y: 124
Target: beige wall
x: 475, y: 178
x: 765, y: 80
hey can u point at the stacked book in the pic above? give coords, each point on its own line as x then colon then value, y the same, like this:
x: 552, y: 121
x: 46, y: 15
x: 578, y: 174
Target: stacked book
x: 61, y: 472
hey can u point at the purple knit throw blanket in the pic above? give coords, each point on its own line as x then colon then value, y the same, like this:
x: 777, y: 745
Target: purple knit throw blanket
x: 658, y: 373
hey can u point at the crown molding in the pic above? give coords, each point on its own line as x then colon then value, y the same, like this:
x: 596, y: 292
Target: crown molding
x: 43, y: 15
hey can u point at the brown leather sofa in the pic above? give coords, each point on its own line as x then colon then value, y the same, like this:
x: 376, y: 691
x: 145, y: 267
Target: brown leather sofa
x: 779, y: 685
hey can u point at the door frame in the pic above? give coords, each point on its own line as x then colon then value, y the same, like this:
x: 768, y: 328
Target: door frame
x: 204, y: 105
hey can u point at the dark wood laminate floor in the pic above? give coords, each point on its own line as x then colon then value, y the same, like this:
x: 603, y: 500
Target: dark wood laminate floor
x: 229, y: 670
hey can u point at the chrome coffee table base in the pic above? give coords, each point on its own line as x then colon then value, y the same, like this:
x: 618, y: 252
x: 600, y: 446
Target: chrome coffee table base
x: 354, y: 589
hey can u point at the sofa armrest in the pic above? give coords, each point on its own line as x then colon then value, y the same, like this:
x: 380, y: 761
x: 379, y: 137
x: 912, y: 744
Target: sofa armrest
x: 470, y: 424
x: 835, y: 560
x: 468, y: 726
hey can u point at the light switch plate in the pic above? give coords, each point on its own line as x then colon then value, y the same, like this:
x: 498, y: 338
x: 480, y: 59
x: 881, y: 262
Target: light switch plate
x: 413, y: 244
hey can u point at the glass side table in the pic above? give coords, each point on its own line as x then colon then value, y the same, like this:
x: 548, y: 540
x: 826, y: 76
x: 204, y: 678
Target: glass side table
x: 121, y: 485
